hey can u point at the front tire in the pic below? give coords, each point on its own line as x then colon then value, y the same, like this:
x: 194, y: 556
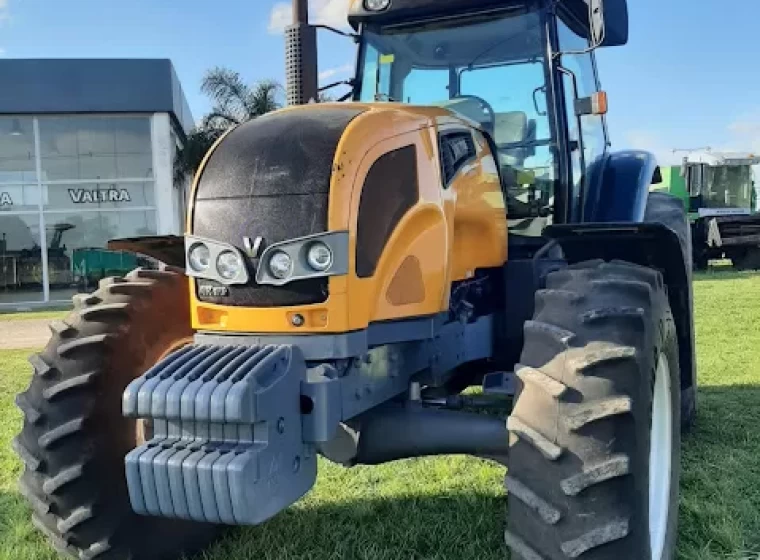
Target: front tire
x: 74, y: 437
x: 596, y: 420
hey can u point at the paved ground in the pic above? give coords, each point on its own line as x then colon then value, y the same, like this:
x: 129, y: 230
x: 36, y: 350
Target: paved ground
x: 24, y: 333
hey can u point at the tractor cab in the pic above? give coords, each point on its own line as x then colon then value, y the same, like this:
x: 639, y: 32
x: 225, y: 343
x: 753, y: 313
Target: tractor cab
x: 720, y: 183
x: 500, y: 65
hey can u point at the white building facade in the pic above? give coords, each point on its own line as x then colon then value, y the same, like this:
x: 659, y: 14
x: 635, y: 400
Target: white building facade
x: 88, y: 161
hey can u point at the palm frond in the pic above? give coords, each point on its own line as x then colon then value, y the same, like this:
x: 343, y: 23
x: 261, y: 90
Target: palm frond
x: 265, y: 97
x: 234, y: 102
x: 220, y: 119
x: 188, y: 158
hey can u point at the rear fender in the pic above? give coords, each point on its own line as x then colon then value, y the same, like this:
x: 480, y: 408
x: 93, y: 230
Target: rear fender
x: 618, y: 186
x: 648, y: 244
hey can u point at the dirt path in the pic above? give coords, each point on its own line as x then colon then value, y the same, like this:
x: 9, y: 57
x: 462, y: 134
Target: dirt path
x: 24, y: 333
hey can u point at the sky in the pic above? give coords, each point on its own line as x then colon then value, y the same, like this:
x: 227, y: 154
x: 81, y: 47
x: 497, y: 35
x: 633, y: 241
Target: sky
x: 687, y: 78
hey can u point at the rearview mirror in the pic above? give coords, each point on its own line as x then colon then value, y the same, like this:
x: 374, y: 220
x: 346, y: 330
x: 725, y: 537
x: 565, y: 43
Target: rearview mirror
x: 596, y: 23
x: 608, y: 23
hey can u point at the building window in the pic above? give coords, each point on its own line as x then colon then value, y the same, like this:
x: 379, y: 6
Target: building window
x: 70, y: 183
x: 95, y: 148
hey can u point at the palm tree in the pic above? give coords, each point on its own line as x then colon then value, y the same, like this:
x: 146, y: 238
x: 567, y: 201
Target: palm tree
x: 189, y: 156
x: 234, y: 102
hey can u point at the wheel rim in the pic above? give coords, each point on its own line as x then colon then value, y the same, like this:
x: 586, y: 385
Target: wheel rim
x: 660, y: 454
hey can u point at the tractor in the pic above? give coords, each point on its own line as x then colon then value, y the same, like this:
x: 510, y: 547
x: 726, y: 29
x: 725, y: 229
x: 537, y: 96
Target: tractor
x: 362, y: 282
x: 718, y: 191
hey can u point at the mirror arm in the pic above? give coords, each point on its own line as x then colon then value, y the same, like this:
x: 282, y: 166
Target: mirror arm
x: 351, y: 83
x: 353, y: 36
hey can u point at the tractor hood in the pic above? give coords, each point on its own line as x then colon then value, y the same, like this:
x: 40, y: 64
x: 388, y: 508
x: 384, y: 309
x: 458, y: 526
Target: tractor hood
x: 269, y: 179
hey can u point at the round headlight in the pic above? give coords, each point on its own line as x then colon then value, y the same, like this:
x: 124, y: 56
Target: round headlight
x: 377, y: 5
x: 228, y: 265
x: 199, y: 257
x: 280, y: 265
x: 319, y: 256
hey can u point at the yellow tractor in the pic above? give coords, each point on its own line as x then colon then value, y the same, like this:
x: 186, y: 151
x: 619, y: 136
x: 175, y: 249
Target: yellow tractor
x: 349, y: 269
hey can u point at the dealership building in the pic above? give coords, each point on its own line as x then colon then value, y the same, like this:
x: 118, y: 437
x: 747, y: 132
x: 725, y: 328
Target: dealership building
x: 86, y: 155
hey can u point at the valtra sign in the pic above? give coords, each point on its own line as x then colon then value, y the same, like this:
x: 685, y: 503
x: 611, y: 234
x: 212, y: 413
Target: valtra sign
x: 94, y: 196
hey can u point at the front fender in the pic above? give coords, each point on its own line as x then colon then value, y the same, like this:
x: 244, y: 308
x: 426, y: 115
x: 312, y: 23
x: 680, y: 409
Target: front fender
x: 618, y: 187
x: 169, y: 249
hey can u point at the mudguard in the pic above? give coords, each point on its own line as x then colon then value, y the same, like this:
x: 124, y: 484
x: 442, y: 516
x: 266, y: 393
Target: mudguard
x: 618, y: 187
x: 651, y: 241
x: 169, y: 249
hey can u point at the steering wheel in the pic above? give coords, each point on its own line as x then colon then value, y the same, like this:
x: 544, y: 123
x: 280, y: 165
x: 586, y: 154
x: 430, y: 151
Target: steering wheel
x: 487, y: 108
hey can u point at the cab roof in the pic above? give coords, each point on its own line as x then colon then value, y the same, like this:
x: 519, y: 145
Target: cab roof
x: 721, y: 159
x: 411, y: 11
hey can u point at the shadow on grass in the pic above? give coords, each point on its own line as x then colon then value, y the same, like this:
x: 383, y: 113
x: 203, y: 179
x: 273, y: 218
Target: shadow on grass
x: 719, y: 509
x: 442, y: 527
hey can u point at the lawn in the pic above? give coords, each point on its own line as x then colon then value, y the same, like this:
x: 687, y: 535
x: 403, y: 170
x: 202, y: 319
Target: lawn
x: 23, y: 315
x: 453, y: 508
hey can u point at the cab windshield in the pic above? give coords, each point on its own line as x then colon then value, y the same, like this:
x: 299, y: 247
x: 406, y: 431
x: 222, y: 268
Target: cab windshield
x: 490, y: 70
x: 729, y: 187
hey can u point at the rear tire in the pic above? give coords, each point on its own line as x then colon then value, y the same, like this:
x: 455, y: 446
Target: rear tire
x: 582, y: 427
x: 74, y: 437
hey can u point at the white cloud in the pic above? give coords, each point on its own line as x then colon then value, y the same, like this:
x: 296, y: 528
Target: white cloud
x: 279, y: 18
x: 335, y: 72
x: 4, y: 15
x: 2, y: 52
x: 745, y: 132
x: 651, y: 142
x: 331, y: 12
x: 323, y: 12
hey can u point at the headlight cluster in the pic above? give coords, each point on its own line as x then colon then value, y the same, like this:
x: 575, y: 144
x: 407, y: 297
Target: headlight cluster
x: 314, y: 256
x: 227, y: 264
x: 319, y: 258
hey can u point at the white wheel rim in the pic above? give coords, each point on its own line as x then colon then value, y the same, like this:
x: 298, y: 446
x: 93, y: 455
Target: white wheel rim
x: 661, y: 443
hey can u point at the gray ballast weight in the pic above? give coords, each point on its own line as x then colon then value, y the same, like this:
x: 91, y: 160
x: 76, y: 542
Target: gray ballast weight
x: 227, y: 445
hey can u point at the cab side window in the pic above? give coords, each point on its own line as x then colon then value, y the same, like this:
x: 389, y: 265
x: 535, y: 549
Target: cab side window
x: 592, y: 129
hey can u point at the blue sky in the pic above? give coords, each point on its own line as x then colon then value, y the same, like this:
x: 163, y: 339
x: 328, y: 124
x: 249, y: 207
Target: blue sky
x: 686, y: 79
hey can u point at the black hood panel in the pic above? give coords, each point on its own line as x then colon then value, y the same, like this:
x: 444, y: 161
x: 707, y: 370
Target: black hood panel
x: 287, y: 153
x: 270, y: 178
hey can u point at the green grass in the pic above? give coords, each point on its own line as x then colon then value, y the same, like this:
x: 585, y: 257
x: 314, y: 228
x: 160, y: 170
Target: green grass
x: 453, y: 508
x: 27, y: 315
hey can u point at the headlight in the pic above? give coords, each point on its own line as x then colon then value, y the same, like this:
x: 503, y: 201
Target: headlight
x: 377, y: 5
x: 280, y: 265
x: 199, y: 257
x: 228, y: 265
x: 319, y: 256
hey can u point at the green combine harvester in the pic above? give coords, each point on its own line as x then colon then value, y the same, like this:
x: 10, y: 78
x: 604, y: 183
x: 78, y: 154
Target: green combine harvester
x: 718, y: 191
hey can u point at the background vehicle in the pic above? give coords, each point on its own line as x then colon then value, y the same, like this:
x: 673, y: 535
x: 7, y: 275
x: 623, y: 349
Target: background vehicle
x: 718, y: 191
x: 20, y: 269
x: 351, y: 268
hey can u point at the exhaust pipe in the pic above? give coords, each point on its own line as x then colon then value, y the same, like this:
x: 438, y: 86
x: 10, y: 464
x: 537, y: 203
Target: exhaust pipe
x: 414, y: 431
x: 301, y: 57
